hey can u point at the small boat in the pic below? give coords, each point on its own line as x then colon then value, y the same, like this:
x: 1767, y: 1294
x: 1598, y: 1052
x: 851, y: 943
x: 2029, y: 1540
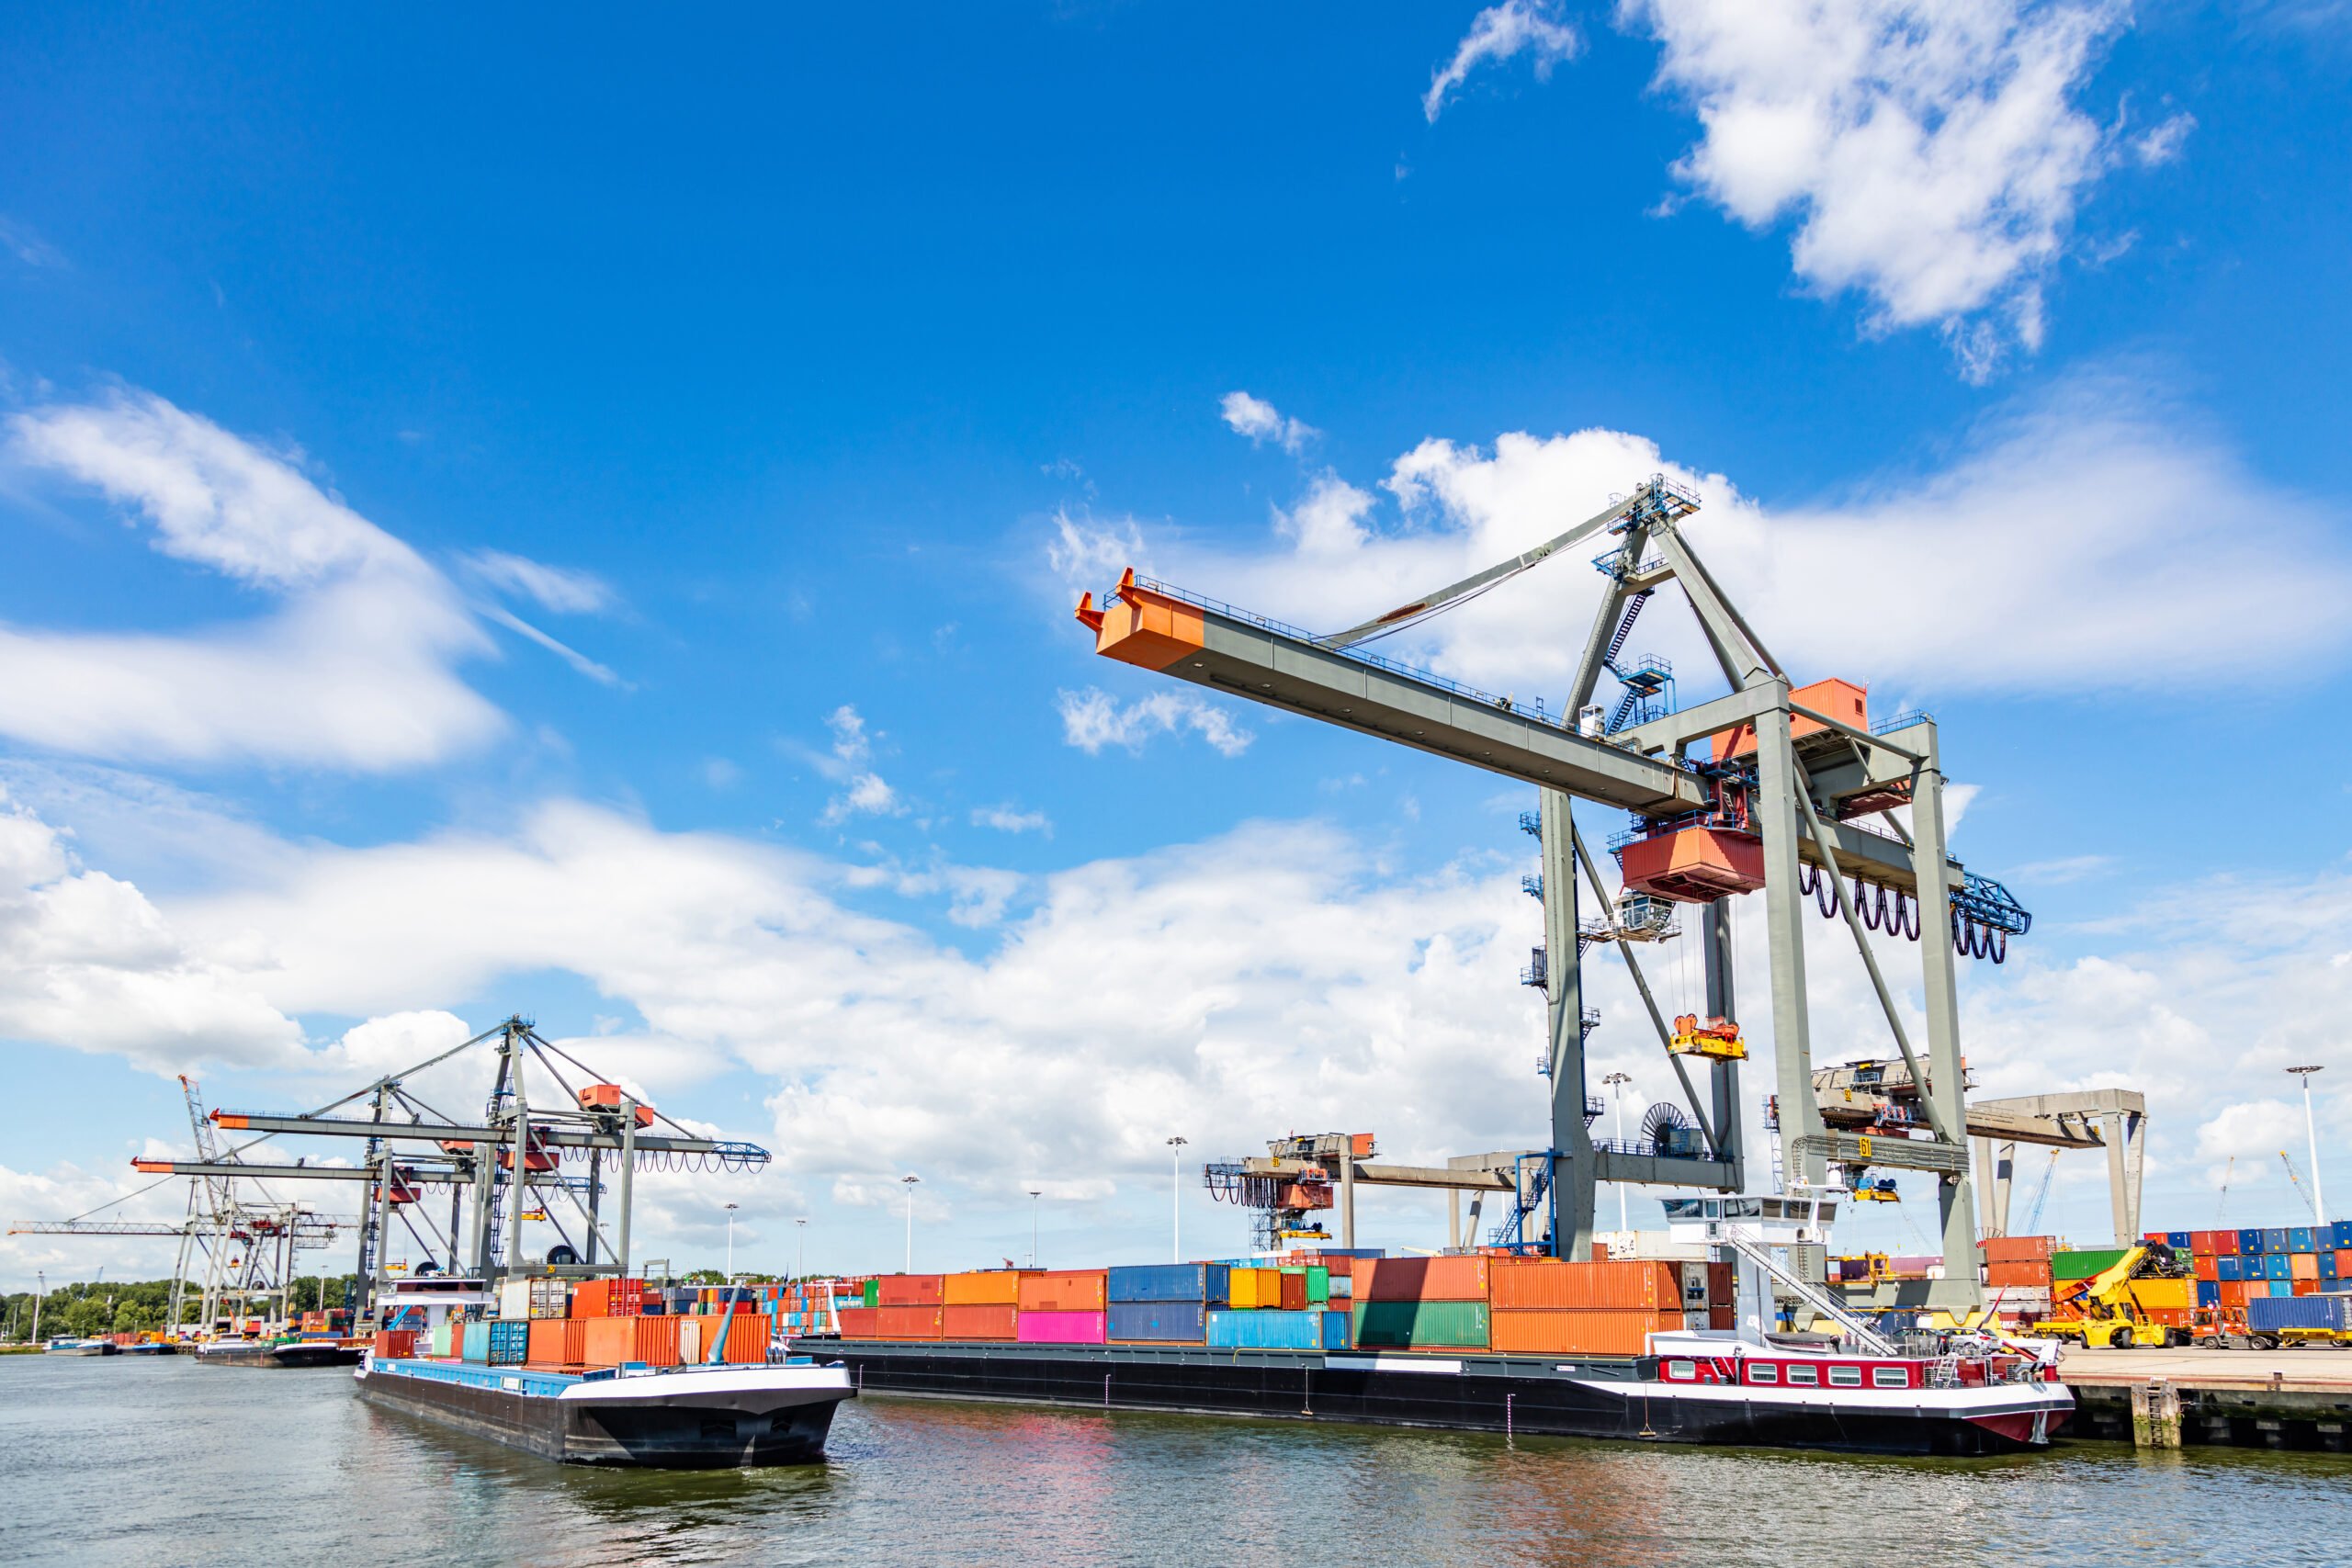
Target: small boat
x: 688, y: 1417
x: 82, y: 1347
x: 151, y: 1348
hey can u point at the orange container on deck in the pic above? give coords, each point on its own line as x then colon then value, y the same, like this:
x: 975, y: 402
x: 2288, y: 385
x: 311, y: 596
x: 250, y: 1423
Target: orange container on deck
x: 2018, y: 1274
x: 911, y: 1290
x: 557, y: 1342
x: 1079, y: 1290
x: 1576, y: 1331
x: 392, y: 1343
x: 2018, y: 1249
x: 859, y: 1323
x: 1423, y: 1279
x: 2303, y: 1266
x: 908, y: 1321
x: 747, y: 1337
x: 1532, y: 1283
x: 996, y: 1287
x: 981, y: 1320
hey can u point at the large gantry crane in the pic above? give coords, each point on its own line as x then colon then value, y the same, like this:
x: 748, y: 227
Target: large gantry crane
x: 1781, y: 798
x: 507, y: 1163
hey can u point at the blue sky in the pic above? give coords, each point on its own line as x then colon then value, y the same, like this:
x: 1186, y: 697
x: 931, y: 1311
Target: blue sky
x: 581, y: 517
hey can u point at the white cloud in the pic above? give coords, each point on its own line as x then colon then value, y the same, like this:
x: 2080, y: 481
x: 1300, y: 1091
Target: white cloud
x: 1262, y: 421
x: 2119, y: 587
x: 1009, y: 819
x: 354, y: 668
x: 87, y: 961
x: 1093, y: 719
x: 2162, y: 142
x: 863, y: 791
x: 1497, y: 33
x: 1932, y: 153
x: 563, y: 590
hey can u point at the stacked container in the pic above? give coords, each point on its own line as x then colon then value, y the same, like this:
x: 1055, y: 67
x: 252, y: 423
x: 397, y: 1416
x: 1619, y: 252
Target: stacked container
x: 1064, y: 1308
x: 1422, y: 1304
x: 1166, y: 1303
x: 984, y: 1306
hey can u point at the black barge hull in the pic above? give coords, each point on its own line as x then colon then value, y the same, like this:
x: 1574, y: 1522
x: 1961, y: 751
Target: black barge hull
x: 1527, y: 1396
x: 681, y: 1421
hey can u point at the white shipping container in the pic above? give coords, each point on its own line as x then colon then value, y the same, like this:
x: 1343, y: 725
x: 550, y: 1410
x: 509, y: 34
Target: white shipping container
x: 515, y: 1298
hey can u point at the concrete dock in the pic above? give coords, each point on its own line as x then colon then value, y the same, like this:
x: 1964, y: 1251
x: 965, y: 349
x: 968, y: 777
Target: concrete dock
x: 2276, y: 1399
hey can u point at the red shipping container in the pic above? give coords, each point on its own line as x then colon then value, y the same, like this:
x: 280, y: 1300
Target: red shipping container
x: 1428, y: 1279
x: 2205, y: 1268
x: 2235, y: 1292
x: 2308, y: 1286
x: 858, y: 1323
x: 1294, y: 1292
x: 907, y: 1321
x: 2225, y: 1244
x: 1083, y: 1291
x: 980, y: 1320
x: 393, y: 1343
x: 1516, y: 1284
x: 589, y: 1298
x: 2343, y: 1267
x: 2018, y: 1249
x: 657, y: 1339
x: 912, y: 1290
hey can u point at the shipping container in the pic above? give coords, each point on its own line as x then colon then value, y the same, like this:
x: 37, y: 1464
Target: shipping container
x: 2250, y: 1243
x: 2303, y: 1266
x: 1424, y: 1279
x: 1244, y: 1330
x: 1066, y: 1290
x: 2205, y: 1268
x: 2278, y: 1266
x: 2162, y: 1295
x: 1551, y: 1283
x: 857, y: 1322
x: 1420, y: 1325
x: 978, y: 1320
x: 912, y: 1290
x: 2298, y: 1240
x: 2236, y: 1292
x: 2282, y: 1287
x: 873, y: 1292
x: 2084, y: 1265
x: 908, y: 1321
x: 2218, y: 1244
x: 2229, y: 1267
x: 556, y: 1341
x: 1062, y: 1327
x: 444, y: 1336
x: 476, y: 1348
x: 1578, y: 1331
x: 392, y: 1343
x: 2331, y: 1310
x: 997, y: 1286
x: 2028, y: 1274
x: 2018, y: 1249
x: 1198, y: 1283
x: 2274, y: 1239
x: 2209, y: 1293
x: 1294, y: 1289
x: 1252, y: 1288
x: 2339, y: 1234
x: 1175, y: 1322
x: 746, y: 1343
x: 2329, y: 1269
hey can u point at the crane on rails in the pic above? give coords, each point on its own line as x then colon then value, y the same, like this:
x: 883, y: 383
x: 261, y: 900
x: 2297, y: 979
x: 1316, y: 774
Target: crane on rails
x: 1786, y: 795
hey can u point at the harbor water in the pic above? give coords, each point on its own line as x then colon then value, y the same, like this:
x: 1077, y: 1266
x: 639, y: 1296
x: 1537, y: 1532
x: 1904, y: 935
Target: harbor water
x: 161, y: 1462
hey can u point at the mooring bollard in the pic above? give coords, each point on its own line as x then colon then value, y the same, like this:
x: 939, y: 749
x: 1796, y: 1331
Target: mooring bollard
x: 2155, y: 1415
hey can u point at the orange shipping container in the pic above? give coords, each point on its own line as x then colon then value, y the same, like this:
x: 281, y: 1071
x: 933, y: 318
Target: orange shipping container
x: 2206, y: 1268
x: 2344, y: 1264
x: 859, y: 1323
x: 592, y: 1298
x: 2023, y: 1274
x: 1083, y: 1291
x: 747, y: 1337
x: 2018, y: 1249
x: 908, y: 1321
x: 2235, y: 1292
x: 1576, y: 1331
x: 981, y: 1320
x: 608, y: 1341
x: 1424, y: 1280
x: 2303, y: 1266
x: 997, y: 1286
x: 1551, y: 1283
x: 911, y: 1290
x: 558, y: 1341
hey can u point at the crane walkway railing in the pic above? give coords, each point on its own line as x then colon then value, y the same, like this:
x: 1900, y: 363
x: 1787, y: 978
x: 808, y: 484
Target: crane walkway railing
x: 1815, y: 1296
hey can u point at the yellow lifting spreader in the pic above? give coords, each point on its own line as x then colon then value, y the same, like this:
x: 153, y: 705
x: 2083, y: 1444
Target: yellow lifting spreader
x: 1717, y: 1038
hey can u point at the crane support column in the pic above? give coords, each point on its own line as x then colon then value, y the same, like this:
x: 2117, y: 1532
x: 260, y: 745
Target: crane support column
x: 1714, y: 929
x: 1776, y: 815
x: 2123, y: 1130
x: 1946, y: 1091
x: 1572, y: 1163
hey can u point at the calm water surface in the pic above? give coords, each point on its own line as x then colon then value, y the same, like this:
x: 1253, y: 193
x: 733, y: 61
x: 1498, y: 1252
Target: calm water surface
x: 138, y: 1460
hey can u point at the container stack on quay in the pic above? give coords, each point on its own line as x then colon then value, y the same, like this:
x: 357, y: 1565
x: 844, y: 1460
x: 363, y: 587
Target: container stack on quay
x: 1322, y: 1300
x: 2027, y: 1277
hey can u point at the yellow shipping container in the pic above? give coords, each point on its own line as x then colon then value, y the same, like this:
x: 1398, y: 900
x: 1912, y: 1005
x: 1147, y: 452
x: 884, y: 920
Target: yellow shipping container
x: 1255, y: 1287
x: 2164, y: 1296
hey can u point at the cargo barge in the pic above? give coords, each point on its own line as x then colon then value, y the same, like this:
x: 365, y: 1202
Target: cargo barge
x: 278, y: 1354
x: 693, y: 1417
x: 1697, y: 1389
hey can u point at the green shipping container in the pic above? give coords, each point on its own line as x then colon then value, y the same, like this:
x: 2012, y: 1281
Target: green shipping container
x: 2083, y: 1265
x: 1318, y: 1285
x: 874, y: 1293
x: 1422, y: 1325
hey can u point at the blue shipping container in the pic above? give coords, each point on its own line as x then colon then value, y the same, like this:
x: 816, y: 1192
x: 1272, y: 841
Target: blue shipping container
x: 2250, y: 1243
x: 2299, y: 1238
x: 2328, y: 1269
x: 1184, y: 1321
x: 474, y: 1346
x: 2273, y: 1238
x: 2231, y: 1268
x: 2341, y: 1233
x: 2277, y: 1266
x: 510, y: 1342
x: 1197, y: 1282
x: 1278, y: 1330
x: 2209, y: 1293
x: 2267, y: 1314
x: 2282, y: 1287
x: 2177, y: 1239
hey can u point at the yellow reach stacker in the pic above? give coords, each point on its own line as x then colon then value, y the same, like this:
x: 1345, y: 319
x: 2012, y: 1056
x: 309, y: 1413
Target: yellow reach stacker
x: 2113, y: 1309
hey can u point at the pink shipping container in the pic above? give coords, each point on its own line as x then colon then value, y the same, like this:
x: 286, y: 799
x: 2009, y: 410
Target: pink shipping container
x: 1061, y: 1328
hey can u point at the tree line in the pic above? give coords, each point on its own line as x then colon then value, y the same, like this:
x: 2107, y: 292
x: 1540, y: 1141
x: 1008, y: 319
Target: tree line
x: 84, y: 1308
